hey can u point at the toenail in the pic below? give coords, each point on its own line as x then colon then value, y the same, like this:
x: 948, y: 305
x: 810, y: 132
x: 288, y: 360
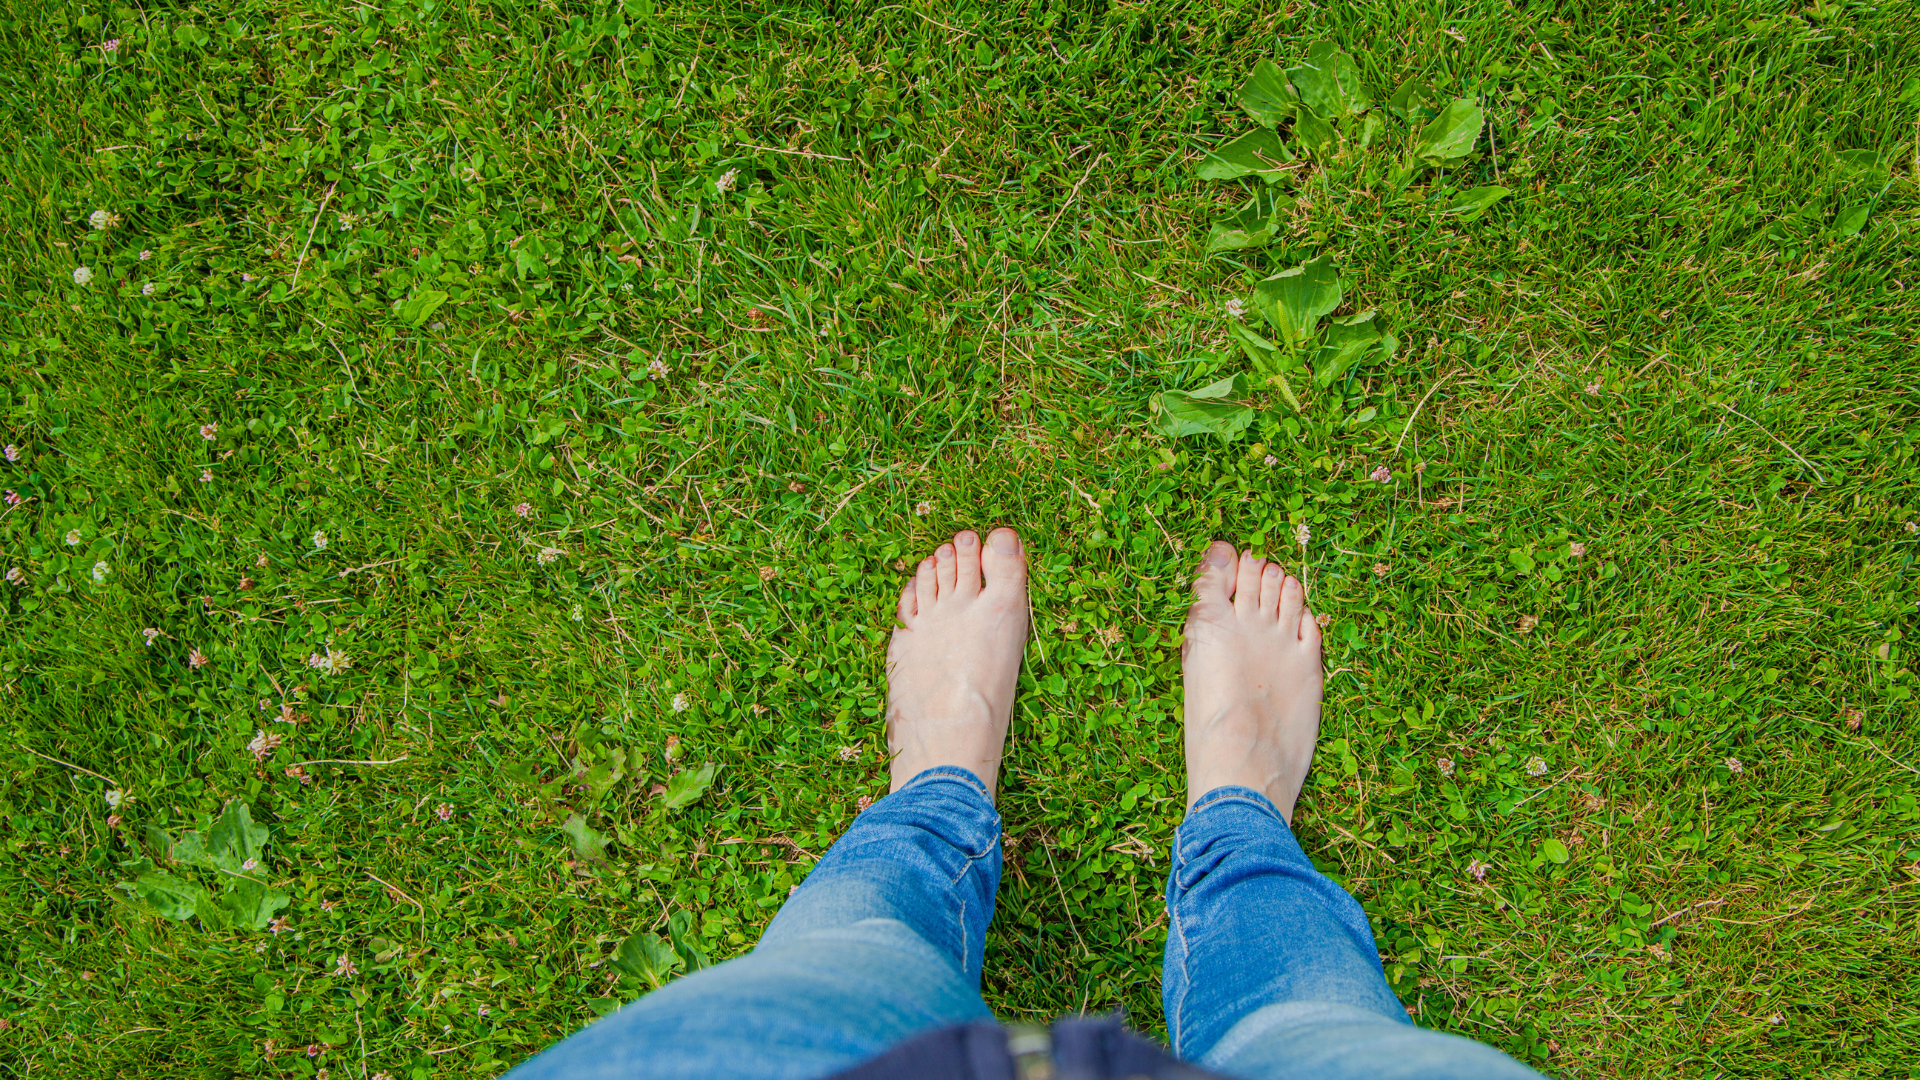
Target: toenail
x: 967, y: 540
x: 946, y: 551
x: 1005, y: 543
x: 1217, y: 559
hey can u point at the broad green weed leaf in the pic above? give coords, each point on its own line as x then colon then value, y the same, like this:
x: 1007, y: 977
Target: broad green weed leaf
x: 1329, y: 83
x: 686, y: 787
x: 1471, y: 204
x: 1347, y: 342
x: 415, y: 309
x: 1294, y: 301
x: 1266, y: 95
x: 1409, y: 99
x: 1452, y: 135
x: 1257, y: 153
x: 588, y: 842
x: 234, y: 841
x: 645, y: 956
x: 1206, y: 411
x: 1251, y: 226
x: 1555, y: 850
x: 252, y: 904
x: 685, y: 942
x: 1852, y: 220
x: 1265, y: 355
x: 1315, y: 135
x: 190, y: 849
x: 167, y: 895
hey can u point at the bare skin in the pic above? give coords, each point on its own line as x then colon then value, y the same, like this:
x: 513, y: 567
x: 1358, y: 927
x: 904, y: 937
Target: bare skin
x: 955, y: 657
x: 1253, y: 679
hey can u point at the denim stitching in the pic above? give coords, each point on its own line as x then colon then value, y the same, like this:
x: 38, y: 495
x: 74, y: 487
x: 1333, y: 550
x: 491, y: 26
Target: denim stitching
x: 1174, y: 1022
x: 1215, y: 800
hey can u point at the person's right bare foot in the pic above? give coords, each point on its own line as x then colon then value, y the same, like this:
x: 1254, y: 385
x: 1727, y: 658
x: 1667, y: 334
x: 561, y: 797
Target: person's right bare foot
x: 1252, y: 665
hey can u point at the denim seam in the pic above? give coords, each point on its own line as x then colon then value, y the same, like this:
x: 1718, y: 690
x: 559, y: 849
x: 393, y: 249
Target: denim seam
x: 1178, y: 1014
x: 1216, y: 799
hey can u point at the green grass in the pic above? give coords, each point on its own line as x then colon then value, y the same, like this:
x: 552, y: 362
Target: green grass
x: 963, y: 251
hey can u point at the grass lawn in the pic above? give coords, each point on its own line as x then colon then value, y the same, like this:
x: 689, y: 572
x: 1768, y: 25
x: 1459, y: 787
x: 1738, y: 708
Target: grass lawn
x: 474, y: 420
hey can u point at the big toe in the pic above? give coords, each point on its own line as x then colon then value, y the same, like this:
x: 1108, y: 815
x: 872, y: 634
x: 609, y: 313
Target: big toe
x: 1217, y: 572
x: 1004, y: 562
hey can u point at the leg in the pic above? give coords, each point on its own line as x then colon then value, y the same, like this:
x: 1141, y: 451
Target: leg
x: 1271, y: 969
x: 883, y: 941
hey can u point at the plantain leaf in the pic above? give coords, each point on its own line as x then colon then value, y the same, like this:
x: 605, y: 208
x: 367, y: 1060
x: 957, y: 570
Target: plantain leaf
x: 1409, y: 99
x: 1294, y: 301
x: 686, y: 787
x: 1452, y: 135
x: 1471, y: 204
x: 1206, y: 411
x: 645, y: 956
x: 588, y: 842
x: 1267, y: 96
x: 1329, y: 83
x: 251, y: 903
x: 1257, y: 153
x: 1347, y: 342
x: 1315, y: 135
x: 233, y: 842
x: 1554, y: 850
x: 166, y: 895
x: 1852, y: 220
x: 1251, y: 226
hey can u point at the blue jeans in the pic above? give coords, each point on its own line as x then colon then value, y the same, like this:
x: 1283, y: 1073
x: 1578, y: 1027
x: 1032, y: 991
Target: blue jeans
x: 1270, y: 971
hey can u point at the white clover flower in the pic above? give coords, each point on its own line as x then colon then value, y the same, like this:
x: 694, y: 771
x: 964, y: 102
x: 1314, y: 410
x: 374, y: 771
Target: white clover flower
x: 320, y: 540
x: 250, y: 864
x: 209, y: 432
x: 115, y: 797
x: 152, y: 634
x: 658, y: 370
x: 1302, y: 534
x: 100, y: 219
x: 264, y: 744
x: 146, y: 289
x: 13, y: 452
x: 16, y: 576
x: 73, y: 537
x: 1536, y: 766
x: 1734, y: 766
x: 548, y: 555
x: 681, y: 703
x: 1236, y: 309
x: 578, y: 614
x: 331, y: 662
x: 82, y: 275
x: 145, y: 255
x: 725, y: 183
x: 206, y: 476
x: 100, y: 571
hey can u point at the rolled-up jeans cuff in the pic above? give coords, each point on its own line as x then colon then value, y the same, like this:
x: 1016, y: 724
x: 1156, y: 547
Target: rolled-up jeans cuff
x: 947, y: 774
x: 1228, y: 793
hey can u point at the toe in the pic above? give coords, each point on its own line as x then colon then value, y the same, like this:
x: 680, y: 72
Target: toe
x: 1246, y: 597
x: 1293, y: 604
x: 909, y: 604
x: 1272, y: 582
x: 1310, y: 630
x: 966, y: 572
x: 925, y: 590
x: 1217, y: 571
x: 946, y: 568
x: 1004, y: 562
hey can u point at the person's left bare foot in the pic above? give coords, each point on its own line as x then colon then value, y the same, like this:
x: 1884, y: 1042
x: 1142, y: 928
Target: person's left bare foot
x: 955, y: 658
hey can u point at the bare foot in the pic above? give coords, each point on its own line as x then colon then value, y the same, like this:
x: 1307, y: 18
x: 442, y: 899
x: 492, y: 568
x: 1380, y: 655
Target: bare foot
x: 953, y: 662
x: 1252, y: 663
